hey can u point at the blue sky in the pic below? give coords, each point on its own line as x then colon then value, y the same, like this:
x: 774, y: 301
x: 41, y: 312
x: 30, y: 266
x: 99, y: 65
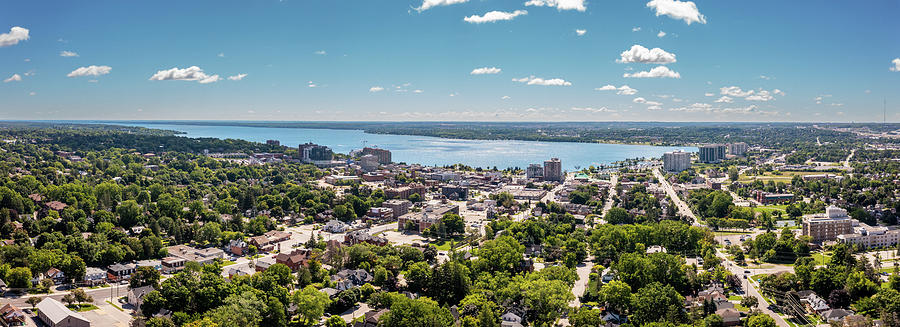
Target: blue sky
x: 414, y: 60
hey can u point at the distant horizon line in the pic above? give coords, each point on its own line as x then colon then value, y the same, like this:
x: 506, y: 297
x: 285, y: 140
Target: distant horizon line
x: 437, y: 121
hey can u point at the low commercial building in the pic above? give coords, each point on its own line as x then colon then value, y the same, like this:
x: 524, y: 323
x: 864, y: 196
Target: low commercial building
x: 455, y: 192
x: 827, y: 227
x: 773, y: 198
x: 118, y: 272
x: 871, y: 236
x: 201, y: 256
x: 528, y: 194
x: 55, y: 314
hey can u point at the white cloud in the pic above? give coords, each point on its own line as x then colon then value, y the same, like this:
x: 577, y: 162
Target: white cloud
x: 15, y: 35
x: 428, y: 4
x: 819, y: 99
x: 221, y: 55
x: 709, y: 94
x: 647, y: 102
x: 68, y: 54
x: 505, y: 97
x: 735, y: 91
x: 640, y: 54
x: 376, y: 89
x: 765, y: 77
x: 90, y: 71
x: 531, y: 80
x: 654, y: 108
x: 311, y: 84
x: 13, y: 78
x: 683, y: 10
x: 724, y: 99
x: 594, y: 110
x: 32, y: 93
x: 494, y: 16
x: 778, y: 92
x: 622, y: 90
x: 237, y: 77
x: 661, y: 34
x: 636, y: 29
x: 485, y: 70
x: 559, y: 4
x: 762, y: 95
x: 418, y: 91
x: 658, y: 72
x: 192, y: 73
x: 321, y: 52
x: 896, y: 65
x: 580, y: 32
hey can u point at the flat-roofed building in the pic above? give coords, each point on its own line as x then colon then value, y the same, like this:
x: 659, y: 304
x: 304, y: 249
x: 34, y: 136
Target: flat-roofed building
x: 827, y: 227
x: 676, y: 161
x: 871, y: 236
x: 420, y: 221
x: 712, y: 153
x: 399, y: 206
x: 534, y: 171
x: 738, y: 149
x: 553, y: 170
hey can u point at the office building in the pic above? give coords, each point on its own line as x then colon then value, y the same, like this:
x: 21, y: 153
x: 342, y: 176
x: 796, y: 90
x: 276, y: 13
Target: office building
x: 399, y: 206
x: 384, y: 156
x: 738, y: 149
x: 871, y: 236
x: 676, y: 161
x: 553, y: 170
x: 827, y: 227
x: 534, y: 171
x: 712, y: 153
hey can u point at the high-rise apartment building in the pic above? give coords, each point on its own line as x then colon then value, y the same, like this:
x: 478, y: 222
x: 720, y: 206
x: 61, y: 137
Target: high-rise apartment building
x: 827, y: 227
x: 553, y: 170
x: 384, y: 156
x: 534, y: 171
x: 738, y: 149
x: 676, y: 161
x: 712, y: 153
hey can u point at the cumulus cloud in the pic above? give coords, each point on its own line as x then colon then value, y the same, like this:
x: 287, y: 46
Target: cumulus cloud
x: 221, y: 55
x: 709, y: 94
x: 192, y: 73
x: 735, y: 91
x: 13, y: 78
x: 640, y: 54
x: 505, y: 97
x: 580, y: 32
x: 594, y: 110
x: 376, y: 89
x: 32, y: 93
x: 681, y: 10
x: 896, y: 65
x: 494, y: 16
x: 636, y: 29
x: 16, y: 34
x: 660, y: 34
x: 237, y: 77
x: 647, y: 102
x: 762, y: 95
x: 622, y: 90
x: 91, y: 70
x: 485, y: 70
x: 658, y: 72
x: 531, y: 80
x: 559, y: 4
x: 321, y: 52
x: 428, y: 4
x: 725, y: 99
x: 68, y: 54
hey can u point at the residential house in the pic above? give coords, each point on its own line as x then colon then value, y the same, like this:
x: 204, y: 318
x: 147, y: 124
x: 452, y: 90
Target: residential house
x: 262, y: 264
x: 94, y: 276
x: 510, y: 319
x: 237, y: 247
x: 136, y: 296
x: 335, y: 226
x: 836, y: 315
x: 55, y: 314
x: 371, y: 318
x: 56, y: 275
x: 347, y: 278
x: 730, y: 316
x: 119, y: 272
x: 294, y: 259
x: 356, y: 237
x: 10, y: 315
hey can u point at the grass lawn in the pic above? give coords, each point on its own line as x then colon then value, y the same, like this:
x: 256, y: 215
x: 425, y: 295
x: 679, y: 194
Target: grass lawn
x: 758, y: 276
x: 822, y: 259
x: 227, y: 263
x: 734, y: 298
x: 443, y: 245
x: 771, y: 208
x: 82, y: 307
x: 739, y: 307
x: 115, y: 306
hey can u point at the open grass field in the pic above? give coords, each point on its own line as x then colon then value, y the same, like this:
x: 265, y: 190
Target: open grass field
x: 784, y: 176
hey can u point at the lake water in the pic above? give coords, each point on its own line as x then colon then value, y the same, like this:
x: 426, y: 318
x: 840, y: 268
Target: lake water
x: 432, y: 150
